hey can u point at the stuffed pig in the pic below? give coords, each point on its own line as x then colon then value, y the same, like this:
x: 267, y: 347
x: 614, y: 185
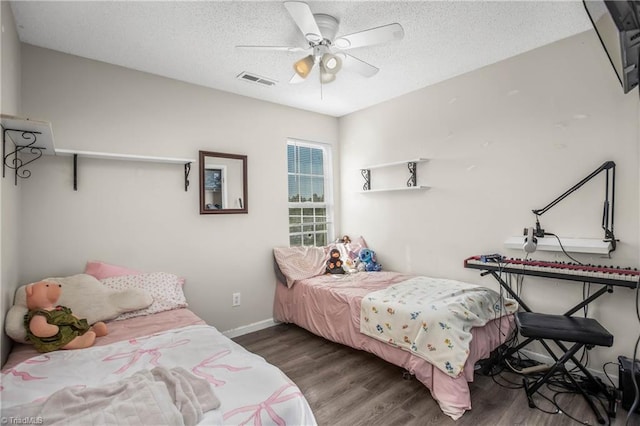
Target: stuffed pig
x: 50, y: 327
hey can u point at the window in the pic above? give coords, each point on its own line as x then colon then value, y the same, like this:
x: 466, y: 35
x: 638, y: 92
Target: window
x: 310, y: 193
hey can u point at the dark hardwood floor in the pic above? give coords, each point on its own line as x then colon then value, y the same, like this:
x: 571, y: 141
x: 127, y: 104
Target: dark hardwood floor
x: 350, y: 387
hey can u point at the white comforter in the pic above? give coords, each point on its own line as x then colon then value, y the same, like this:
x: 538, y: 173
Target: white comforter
x: 250, y: 390
x: 432, y: 318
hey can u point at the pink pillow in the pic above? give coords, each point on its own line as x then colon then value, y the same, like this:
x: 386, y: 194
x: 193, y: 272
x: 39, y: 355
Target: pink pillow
x: 102, y: 270
x: 300, y: 262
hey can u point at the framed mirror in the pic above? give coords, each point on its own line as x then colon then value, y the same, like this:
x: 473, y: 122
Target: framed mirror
x: 223, y: 183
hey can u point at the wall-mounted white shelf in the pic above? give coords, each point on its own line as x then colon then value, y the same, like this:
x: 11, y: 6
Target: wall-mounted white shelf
x: 27, y: 136
x: 412, y: 183
x: 395, y: 163
x: 571, y: 245
x: 35, y: 137
x: 125, y: 157
x: 406, y: 188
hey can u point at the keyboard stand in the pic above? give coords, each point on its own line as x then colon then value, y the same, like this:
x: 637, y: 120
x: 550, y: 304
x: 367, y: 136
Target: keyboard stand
x: 607, y: 288
x: 573, y: 310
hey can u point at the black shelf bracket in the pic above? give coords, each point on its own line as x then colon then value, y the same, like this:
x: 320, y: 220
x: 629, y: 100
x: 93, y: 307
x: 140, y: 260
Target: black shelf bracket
x: 187, y: 170
x: 12, y: 159
x: 366, y: 174
x: 412, y: 173
x: 75, y: 172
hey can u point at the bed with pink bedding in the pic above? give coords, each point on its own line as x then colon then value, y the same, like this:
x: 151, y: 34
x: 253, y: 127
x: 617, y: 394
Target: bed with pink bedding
x: 119, y: 331
x: 247, y: 389
x: 331, y: 306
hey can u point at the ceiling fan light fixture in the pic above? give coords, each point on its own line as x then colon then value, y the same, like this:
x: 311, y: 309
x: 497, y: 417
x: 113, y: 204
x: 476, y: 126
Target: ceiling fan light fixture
x: 330, y: 63
x: 320, y: 31
x: 326, y: 77
x: 303, y: 66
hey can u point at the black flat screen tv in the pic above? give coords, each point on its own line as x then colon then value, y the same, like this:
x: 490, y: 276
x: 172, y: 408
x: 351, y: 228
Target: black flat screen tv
x: 618, y: 26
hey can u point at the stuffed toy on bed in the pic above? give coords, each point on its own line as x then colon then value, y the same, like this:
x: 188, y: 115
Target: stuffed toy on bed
x: 85, y: 295
x: 368, y: 261
x: 334, y: 264
x: 51, y: 327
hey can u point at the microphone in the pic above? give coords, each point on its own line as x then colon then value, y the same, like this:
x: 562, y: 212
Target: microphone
x: 530, y: 241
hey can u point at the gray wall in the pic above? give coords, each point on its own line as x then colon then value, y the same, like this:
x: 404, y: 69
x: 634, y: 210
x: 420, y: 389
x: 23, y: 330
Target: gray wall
x: 10, y: 194
x: 138, y: 214
x: 503, y: 140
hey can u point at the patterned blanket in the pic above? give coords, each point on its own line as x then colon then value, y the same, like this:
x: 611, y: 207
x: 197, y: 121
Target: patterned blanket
x: 250, y: 390
x: 432, y: 318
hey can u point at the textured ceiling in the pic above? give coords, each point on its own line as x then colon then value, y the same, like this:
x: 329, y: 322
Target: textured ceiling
x: 195, y: 41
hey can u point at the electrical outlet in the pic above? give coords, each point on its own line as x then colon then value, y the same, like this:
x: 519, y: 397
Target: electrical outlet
x: 236, y: 299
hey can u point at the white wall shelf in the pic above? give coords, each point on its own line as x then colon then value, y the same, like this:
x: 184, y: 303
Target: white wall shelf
x: 35, y: 138
x: 571, y: 245
x: 32, y: 137
x: 395, y: 163
x: 125, y: 157
x: 406, y: 188
x: 412, y: 183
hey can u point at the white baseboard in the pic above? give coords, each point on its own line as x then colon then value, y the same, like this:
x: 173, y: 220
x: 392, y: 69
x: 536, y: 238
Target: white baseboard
x: 546, y: 359
x: 246, y: 329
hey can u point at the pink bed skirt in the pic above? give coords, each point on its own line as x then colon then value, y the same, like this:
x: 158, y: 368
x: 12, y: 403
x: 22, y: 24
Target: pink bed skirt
x: 120, y: 330
x: 330, y: 307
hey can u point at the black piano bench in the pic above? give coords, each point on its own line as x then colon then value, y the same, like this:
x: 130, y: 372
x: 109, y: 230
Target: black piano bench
x: 561, y: 328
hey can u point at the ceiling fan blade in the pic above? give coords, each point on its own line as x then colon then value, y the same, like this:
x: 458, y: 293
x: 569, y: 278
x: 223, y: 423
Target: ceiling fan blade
x: 303, y: 17
x: 357, y: 65
x: 271, y: 48
x: 370, y: 37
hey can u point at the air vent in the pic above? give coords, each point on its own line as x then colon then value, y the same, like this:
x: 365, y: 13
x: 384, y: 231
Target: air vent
x: 253, y: 78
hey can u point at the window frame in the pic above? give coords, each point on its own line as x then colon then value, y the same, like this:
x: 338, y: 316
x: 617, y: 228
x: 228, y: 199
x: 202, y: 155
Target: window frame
x: 328, y: 178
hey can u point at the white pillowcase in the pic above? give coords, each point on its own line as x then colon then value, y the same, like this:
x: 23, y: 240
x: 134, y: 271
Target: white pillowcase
x: 166, y: 290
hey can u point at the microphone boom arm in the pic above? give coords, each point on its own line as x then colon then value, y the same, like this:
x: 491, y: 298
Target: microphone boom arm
x: 607, y: 219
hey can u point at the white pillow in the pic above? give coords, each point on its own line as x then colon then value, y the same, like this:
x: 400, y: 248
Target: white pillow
x: 165, y: 288
x: 85, y: 296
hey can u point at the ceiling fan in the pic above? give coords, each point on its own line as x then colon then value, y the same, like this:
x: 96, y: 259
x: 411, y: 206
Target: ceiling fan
x: 320, y: 31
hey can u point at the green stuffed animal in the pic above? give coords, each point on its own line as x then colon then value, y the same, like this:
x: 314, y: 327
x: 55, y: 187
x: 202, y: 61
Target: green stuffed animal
x: 51, y: 327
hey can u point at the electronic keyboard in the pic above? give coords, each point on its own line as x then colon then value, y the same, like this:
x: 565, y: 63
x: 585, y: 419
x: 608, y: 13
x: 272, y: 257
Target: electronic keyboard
x: 608, y: 275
